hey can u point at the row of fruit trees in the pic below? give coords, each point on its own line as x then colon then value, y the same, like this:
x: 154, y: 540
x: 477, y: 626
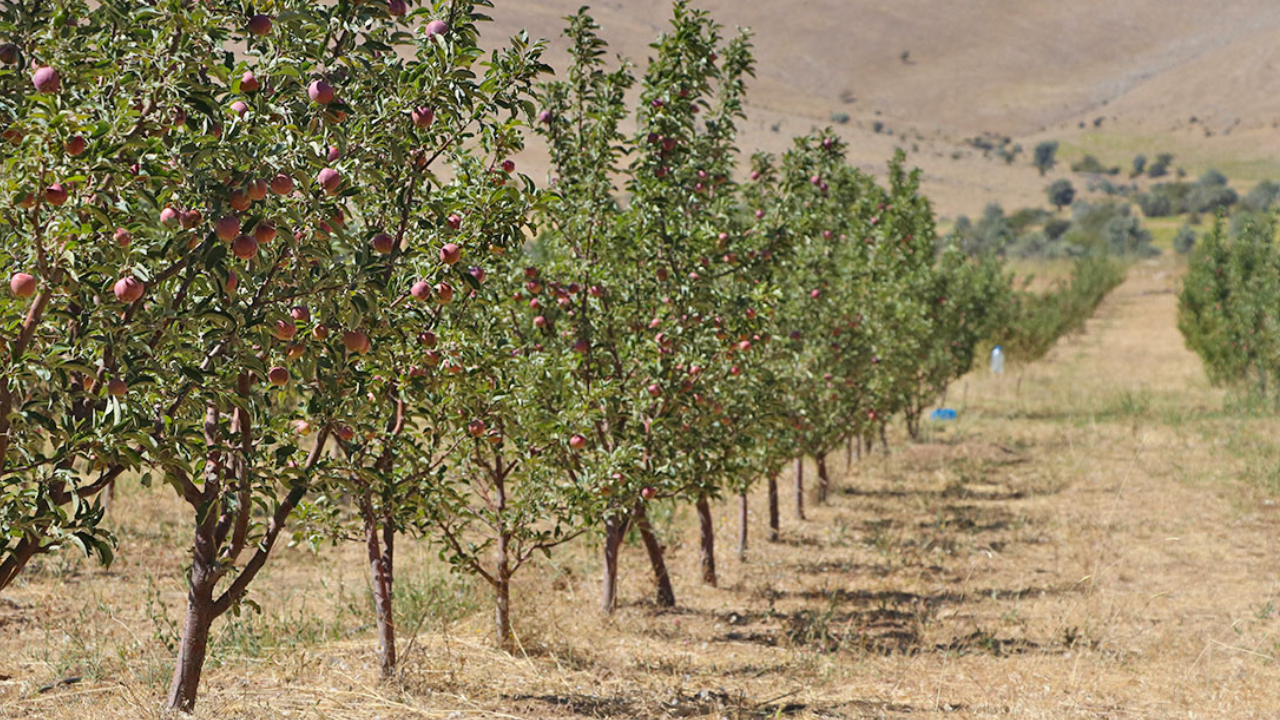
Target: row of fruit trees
x: 282, y: 262
x: 1228, y: 310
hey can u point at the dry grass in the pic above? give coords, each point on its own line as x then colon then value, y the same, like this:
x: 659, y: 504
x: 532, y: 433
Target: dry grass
x: 1093, y: 538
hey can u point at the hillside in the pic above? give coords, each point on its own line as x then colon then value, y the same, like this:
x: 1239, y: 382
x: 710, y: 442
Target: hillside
x: 1029, y: 69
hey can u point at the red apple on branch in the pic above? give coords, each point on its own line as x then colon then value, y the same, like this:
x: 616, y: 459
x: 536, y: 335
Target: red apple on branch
x: 284, y: 330
x: 128, y: 289
x: 23, y: 285
x: 355, y: 341
x: 260, y: 25
x: 76, y: 146
x: 55, y: 194
x: 281, y: 184
x: 435, y: 27
x: 244, y: 247
x: 264, y: 232
x: 227, y: 228
x: 330, y: 180
x: 422, y: 117
x: 320, y: 92
x: 47, y: 80
x: 450, y: 253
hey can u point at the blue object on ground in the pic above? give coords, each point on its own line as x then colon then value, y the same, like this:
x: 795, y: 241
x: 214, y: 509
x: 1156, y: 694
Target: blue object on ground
x: 943, y: 414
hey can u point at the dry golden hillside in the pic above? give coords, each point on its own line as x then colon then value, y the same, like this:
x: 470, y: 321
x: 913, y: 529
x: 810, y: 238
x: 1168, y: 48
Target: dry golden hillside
x: 1029, y: 69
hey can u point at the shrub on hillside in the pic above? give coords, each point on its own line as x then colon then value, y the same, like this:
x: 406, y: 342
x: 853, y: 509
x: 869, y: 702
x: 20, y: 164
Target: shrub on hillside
x: 1155, y: 204
x: 1184, y: 240
x: 1262, y: 197
x: 1160, y: 167
x: 1092, y: 166
x: 1045, y: 156
x: 1105, y: 186
x: 1024, y: 219
x: 989, y: 236
x: 1093, y: 229
x: 1209, y: 198
x: 1056, y: 228
x: 1209, y: 193
x: 1139, y: 165
x: 1061, y: 193
x: 1108, y: 227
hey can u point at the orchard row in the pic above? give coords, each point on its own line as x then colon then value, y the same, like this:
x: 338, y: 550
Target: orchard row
x: 284, y: 264
x: 1227, y: 310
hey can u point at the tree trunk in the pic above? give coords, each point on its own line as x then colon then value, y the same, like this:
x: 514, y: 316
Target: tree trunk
x: 502, y: 591
x: 708, y: 555
x: 742, y: 526
x: 203, y: 580
x: 848, y: 452
x: 800, y: 488
x: 108, y: 495
x: 884, y: 441
x: 773, y: 507
x: 201, y: 612
x: 208, y: 565
x: 202, y: 607
x: 18, y: 558
x: 381, y: 576
x: 192, y: 649
x: 824, y: 481
x: 666, y: 596
x: 613, y: 529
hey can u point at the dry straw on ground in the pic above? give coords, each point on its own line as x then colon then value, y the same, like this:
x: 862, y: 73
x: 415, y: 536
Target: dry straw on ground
x: 1093, y: 538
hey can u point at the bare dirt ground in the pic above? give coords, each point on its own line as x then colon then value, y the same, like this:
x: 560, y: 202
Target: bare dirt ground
x: 1094, y: 538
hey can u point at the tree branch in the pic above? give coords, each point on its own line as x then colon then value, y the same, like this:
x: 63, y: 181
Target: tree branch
x: 276, y: 524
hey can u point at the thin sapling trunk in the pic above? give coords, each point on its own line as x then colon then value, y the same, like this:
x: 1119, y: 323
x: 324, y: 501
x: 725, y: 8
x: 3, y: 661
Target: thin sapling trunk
x: 666, y: 596
x: 773, y: 507
x: 799, y: 478
x: 708, y: 544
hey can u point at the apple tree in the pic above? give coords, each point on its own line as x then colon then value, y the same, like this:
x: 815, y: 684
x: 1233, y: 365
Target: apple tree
x: 966, y: 299
x: 654, y: 270
x: 422, y: 253
x: 226, y: 188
